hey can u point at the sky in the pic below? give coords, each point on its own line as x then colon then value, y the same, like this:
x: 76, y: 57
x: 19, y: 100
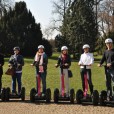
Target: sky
x: 41, y: 10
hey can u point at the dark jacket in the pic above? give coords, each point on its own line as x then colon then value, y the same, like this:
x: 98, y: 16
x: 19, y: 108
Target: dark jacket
x: 108, y: 57
x: 61, y: 62
x: 15, y: 60
x: 2, y: 63
x: 45, y: 62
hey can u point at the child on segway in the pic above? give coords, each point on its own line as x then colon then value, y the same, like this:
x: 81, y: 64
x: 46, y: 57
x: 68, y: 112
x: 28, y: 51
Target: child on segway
x: 85, y: 63
x: 40, y: 62
x: 108, y: 57
x: 17, y: 62
x: 64, y: 61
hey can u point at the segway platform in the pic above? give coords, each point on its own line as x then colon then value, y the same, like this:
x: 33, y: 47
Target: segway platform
x: 58, y: 97
x: 2, y: 94
x: 91, y: 99
x: 39, y: 97
x: 9, y: 95
x: 103, y: 99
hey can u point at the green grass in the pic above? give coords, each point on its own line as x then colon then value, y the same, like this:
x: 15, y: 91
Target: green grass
x: 53, y: 76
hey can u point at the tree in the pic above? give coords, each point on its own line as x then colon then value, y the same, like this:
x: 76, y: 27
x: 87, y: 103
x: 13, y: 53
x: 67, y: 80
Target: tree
x: 105, y: 17
x: 48, y: 47
x: 105, y: 23
x: 18, y: 28
x: 80, y: 25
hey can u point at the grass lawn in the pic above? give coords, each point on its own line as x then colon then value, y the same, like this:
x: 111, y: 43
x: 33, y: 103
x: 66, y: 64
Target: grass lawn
x: 53, y: 77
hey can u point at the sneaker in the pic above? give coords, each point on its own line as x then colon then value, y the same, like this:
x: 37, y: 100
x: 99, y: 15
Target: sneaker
x: 84, y: 98
x: 43, y: 94
x: 108, y: 98
x: 19, y: 94
x: 36, y: 95
x: 67, y: 95
x: 13, y: 93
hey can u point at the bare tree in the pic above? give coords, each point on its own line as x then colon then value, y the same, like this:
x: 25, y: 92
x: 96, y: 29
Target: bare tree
x: 105, y: 16
x: 5, y: 4
x: 59, y: 10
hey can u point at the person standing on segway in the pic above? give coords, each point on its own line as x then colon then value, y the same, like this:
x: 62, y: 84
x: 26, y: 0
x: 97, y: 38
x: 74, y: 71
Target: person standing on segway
x: 40, y: 62
x: 64, y: 61
x: 1, y: 69
x: 86, y: 60
x: 17, y: 62
x: 108, y: 57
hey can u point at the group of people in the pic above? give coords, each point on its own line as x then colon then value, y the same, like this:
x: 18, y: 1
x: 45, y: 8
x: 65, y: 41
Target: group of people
x: 64, y: 62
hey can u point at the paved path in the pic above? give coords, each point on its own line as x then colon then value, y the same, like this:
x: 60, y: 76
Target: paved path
x: 18, y: 107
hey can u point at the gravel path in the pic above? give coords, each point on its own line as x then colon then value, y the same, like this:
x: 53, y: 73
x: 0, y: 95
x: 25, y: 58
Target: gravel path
x: 18, y: 107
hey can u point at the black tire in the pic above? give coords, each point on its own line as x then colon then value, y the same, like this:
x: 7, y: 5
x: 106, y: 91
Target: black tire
x: 23, y: 93
x: 32, y: 95
x: 95, y: 98
x: 79, y: 96
x: 72, y: 95
x: 3, y: 91
x: 7, y: 95
x: 48, y: 95
x: 56, y: 95
x: 103, y: 97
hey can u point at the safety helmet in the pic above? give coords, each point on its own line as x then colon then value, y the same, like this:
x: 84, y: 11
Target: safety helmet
x: 86, y: 46
x: 64, y: 48
x: 16, y: 48
x: 108, y: 40
x: 40, y: 46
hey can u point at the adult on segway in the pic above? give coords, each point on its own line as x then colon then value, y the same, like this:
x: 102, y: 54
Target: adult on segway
x: 108, y: 57
x: 64, y: 61
x: 16, y: 61
x: 2, y: 90
x: 85, y: 63
x: 40, y: 63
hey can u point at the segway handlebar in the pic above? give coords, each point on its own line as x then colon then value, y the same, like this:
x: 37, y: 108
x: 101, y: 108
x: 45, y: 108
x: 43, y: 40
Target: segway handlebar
x: 57, y: 65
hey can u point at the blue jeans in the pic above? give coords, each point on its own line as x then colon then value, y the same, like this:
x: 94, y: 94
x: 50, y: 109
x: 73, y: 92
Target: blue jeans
x: 17, y: 77
x: 43, y: 78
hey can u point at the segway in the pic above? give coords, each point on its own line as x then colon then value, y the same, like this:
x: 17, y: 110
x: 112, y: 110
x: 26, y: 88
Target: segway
x: 63, y: 97
x: 37, y: 95
x: 103, y: 95
x: 2, y: 94
x: 83, y: 96
x: 9, y: 95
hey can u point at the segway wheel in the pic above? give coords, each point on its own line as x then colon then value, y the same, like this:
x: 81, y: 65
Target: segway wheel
x: 103, y: 97
x: 95, y: 98
x: 32, y: 95
x: 79, y: 96
x: 3, y: 91
x: 23, y: 93
x: 48, y: 95
x: 56, y: 95
x: 7, y: 95
x: 72, y: 95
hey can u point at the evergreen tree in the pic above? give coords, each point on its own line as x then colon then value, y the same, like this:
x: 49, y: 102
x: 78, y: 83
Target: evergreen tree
x: 80, y: 25
x: 18, y: 28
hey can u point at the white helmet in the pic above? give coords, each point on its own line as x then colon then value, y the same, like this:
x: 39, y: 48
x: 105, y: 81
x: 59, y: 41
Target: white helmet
x: 64, y: 48
x: 40, y: 46
x: 86, y: 46
x: 108, y: 40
